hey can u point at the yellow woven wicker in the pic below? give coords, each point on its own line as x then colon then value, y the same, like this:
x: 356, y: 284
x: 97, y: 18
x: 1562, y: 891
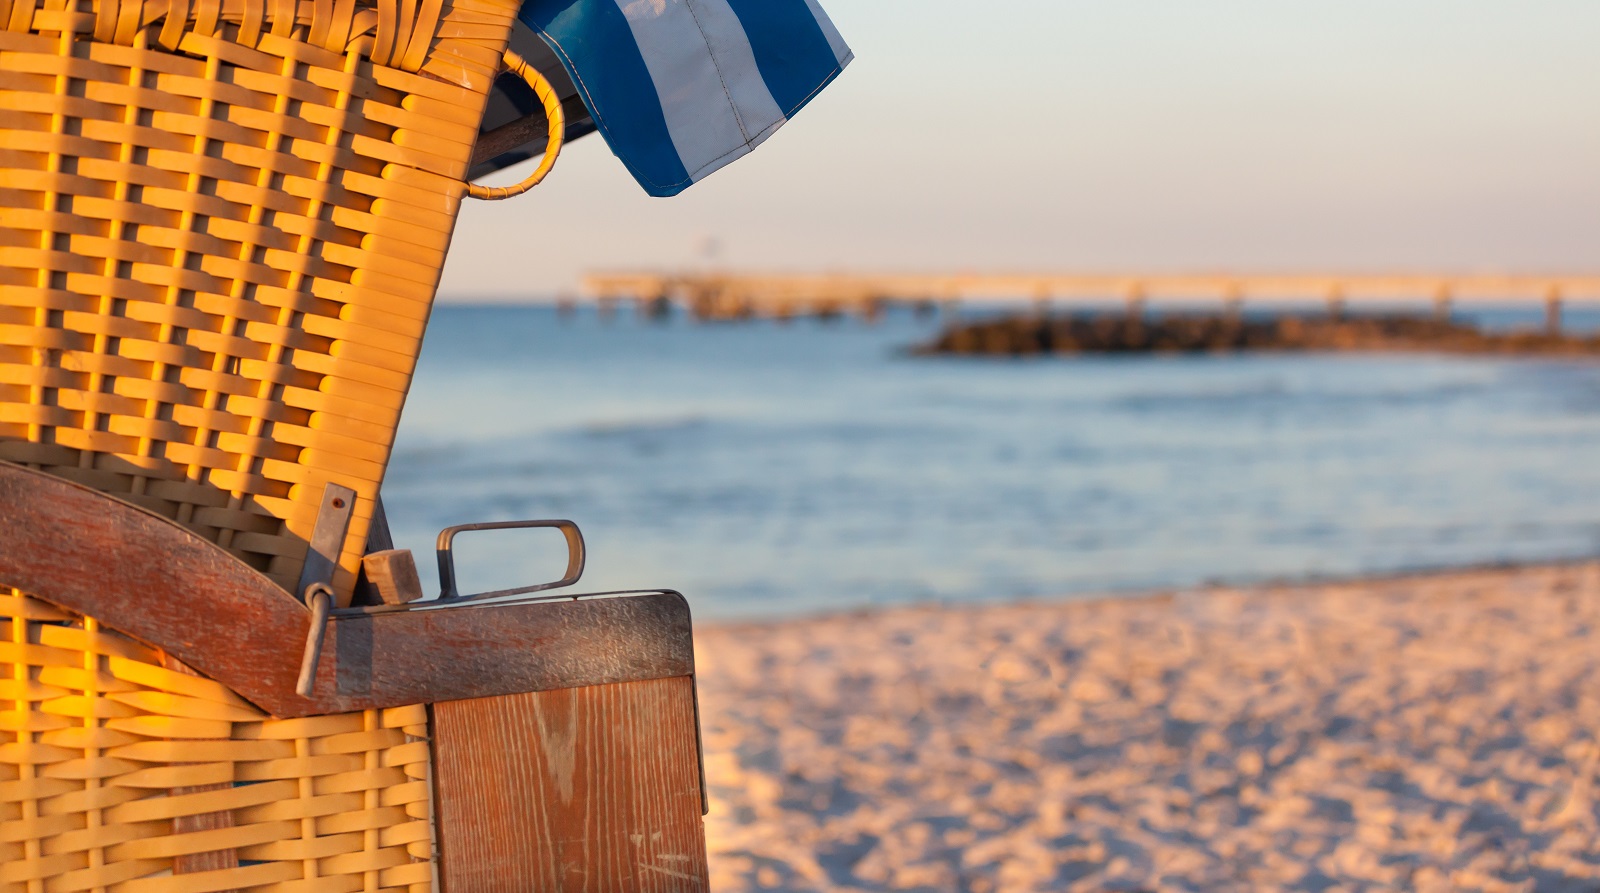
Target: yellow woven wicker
x: 221, y: 229
x: 122, y: 772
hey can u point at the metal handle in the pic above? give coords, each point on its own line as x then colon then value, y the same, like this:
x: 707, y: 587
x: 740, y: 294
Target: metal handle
x: 447, y: 562
x: 554, y: 114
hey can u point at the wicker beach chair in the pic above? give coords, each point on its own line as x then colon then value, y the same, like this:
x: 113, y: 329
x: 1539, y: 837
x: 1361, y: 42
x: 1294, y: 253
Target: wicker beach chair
x: 223, y: 224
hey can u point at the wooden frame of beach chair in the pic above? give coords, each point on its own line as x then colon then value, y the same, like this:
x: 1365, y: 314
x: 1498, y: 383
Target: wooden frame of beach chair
x: 150, y: 724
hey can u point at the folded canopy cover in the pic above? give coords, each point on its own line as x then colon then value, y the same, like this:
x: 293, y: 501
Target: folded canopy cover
x: 680, y: 88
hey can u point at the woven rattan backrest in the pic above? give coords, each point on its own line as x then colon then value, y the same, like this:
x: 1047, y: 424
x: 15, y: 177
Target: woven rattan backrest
x: 120, y: 771
x: 221, y: 229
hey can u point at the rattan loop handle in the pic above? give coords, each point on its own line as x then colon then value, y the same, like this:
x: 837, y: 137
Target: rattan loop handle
x: 558, y: 126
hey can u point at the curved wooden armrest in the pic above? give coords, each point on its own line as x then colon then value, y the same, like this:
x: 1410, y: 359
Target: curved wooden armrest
x: 154, y: 580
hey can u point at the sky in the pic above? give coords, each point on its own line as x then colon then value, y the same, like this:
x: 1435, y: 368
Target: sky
x: 1119, y: 135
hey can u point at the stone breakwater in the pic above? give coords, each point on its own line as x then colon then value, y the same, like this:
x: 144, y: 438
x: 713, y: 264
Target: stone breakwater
x: 1422, y: 733
x: 1025, y: 334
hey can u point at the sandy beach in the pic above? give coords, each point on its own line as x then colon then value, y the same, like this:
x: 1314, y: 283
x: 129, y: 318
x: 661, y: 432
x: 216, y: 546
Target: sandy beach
x: 1435, y: 732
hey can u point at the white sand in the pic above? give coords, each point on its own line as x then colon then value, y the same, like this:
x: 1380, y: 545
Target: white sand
x: 1429, y: 733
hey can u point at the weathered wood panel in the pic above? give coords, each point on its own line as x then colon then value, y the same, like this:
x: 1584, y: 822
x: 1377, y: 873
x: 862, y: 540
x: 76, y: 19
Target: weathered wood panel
x: 478, y: 649
x: 147, y: 577
x: 589, y: 790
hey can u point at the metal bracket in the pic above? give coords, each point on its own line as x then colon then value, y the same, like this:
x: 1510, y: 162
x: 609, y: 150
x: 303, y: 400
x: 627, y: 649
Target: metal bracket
x: 322, y: 560
x: 327, y: 538
x: 320, y: 597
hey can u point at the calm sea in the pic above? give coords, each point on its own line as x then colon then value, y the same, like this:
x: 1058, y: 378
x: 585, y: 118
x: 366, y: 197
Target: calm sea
x: 769, y: 470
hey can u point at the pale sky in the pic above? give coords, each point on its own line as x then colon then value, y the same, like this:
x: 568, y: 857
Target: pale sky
x: 1452, y: 135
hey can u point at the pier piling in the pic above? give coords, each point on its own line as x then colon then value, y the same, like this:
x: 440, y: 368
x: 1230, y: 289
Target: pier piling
x: 1443, y: 305
x: 1336, y: 303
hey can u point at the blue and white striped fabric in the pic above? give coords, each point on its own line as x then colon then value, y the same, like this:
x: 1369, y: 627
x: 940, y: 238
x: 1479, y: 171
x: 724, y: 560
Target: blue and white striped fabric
x: 680, y: 88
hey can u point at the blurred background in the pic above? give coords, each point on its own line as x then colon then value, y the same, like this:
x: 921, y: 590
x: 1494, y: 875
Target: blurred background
x: 1089, y: 135
x: 771, y: 469
x: 1429, y: 732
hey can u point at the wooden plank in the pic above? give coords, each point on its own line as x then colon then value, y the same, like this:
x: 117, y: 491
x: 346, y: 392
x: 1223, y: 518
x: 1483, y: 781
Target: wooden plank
x: 393, y: 574
x: 594, y: 789
x: 145, y: 576
x: 432, y: 653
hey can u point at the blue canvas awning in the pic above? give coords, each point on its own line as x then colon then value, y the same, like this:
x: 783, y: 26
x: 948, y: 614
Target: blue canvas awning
x: 680, y: 88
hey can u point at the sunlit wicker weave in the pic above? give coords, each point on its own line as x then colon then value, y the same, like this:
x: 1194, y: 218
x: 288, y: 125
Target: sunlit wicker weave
x: 220, y: 236
x: 119, y: 770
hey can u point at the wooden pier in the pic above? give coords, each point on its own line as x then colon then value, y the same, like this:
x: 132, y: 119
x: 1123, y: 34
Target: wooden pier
x: 727, y: 295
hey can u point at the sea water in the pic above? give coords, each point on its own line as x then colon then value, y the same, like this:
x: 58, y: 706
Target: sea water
x: 770, y: 469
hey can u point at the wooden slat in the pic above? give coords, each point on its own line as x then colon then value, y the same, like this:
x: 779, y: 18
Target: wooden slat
x: 594, y: 789
x: 150, y: 578
x: 145, y: 576
x: 393, y: 574
x: 431, y: 654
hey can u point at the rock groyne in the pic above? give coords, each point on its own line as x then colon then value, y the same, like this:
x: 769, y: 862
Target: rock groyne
x: 1033, y: 333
